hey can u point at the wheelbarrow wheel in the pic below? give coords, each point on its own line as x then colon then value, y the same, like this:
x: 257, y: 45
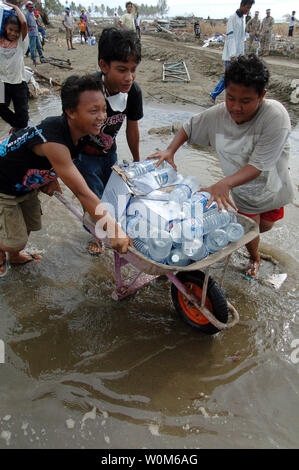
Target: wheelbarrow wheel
x: 215, y: 302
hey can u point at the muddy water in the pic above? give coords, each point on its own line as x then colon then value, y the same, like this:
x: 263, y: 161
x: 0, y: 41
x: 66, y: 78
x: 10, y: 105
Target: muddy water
x: 84, y: 371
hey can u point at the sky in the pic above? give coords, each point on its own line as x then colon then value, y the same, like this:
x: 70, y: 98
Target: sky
x: 214, y: 9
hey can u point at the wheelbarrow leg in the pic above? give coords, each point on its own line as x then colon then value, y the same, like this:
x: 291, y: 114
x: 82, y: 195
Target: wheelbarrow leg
x: 124, y: 289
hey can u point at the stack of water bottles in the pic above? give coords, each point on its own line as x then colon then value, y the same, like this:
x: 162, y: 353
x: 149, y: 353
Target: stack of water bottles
x: 193, y: 231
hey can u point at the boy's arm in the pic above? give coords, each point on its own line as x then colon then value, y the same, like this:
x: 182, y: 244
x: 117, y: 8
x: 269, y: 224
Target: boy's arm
x: 60, y: 158
x: 220, y: 190
x: 21, y: 17
x: 168, y: 154
x: 132, y: 133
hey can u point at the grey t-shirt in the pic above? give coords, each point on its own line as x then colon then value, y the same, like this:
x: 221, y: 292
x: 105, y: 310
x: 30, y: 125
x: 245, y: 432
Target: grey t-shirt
x: 261, y: 142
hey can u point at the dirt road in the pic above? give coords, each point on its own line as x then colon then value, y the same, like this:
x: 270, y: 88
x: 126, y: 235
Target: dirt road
x: 205, y: 67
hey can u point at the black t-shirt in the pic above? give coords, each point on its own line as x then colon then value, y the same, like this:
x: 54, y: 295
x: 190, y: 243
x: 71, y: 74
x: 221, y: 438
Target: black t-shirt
x: 21, y: 170
x: 104, y: 143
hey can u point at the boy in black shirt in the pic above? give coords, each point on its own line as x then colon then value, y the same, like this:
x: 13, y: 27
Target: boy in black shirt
x: 119, y: 54
x: 35, y: 157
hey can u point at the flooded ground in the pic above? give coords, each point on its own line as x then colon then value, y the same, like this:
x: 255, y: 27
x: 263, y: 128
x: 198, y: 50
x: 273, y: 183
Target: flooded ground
x: 84, y: 371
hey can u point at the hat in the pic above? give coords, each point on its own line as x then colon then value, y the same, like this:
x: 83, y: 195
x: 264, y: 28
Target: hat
x: 268, y: 10
x: 256, y: 12
x: 67, y: 9
x: 36, y: 13
x: 29, y: 4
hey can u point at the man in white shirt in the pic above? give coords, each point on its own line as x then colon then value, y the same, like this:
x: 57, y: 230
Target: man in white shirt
x: 292, y: 24
x: 234, y: 41
x: 250, y: 135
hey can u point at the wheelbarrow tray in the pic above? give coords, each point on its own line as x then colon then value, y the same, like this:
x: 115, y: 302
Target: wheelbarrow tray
x: 148, y: 270
x: 146, y: 265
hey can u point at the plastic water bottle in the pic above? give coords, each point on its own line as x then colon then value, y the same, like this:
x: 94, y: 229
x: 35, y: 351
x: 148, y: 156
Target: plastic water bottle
x: 195, y: 250
x: 176, y: 233
x: 141, y: 246
x: 137, y: 227
x: 214, y: 219
x: 216, y: 240
x: 191, y: 248
x: 192, y: 229
x: 140, y: 168
x: 165, y: 176
x: 133, y: 225
x: 203, y: 197
x: 177, y: 258
x: 182, y: 192
x: 234, y: 231
x: 159, y: 245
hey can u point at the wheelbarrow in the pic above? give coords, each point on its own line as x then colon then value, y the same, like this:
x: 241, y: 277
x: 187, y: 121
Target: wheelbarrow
x: 197, y: 298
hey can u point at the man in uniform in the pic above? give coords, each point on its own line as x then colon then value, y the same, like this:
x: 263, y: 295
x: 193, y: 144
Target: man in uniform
x: 266, y: 33
x: 253, y: 27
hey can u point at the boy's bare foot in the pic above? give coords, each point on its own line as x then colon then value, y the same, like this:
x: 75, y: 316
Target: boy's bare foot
x: 253, y: 269
x: 96, y: 248
x: 20, y: 258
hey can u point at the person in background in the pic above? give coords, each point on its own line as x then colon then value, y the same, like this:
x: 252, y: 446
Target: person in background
x: 137, y: 21
x: 250, y: 135
x: 34, y: 42
x: 68, y: 24
x: 253, y: 28
x: 116, y: 20
x: 197, y: 29
x: 292, y: 24
x: 13, y: 86
x: 266, y: 33
x: 119, y: 53
x: 40, y: 26
x: 234, y: 41
x: 85, y: 18
x: 82, y: 28
x: 127, y: 21
x: 33, y: 158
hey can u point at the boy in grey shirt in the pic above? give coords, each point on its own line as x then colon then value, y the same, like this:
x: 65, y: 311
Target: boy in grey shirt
x: 250, y: 135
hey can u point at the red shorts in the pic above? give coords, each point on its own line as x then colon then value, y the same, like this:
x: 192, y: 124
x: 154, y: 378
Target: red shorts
x: 270, y: 216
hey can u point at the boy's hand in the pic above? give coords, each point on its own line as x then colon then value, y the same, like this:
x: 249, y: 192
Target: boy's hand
x: 220, y: 193
x: 162, y: 155
x: 120, y: 241
x: 49, y: 188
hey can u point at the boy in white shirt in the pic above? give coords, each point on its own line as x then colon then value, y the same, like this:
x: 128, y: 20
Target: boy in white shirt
x: 128, y: 19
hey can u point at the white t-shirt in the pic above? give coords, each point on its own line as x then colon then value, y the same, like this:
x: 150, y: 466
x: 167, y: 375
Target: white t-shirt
x: 261, y: 142
x: 12, y: 69
x: 235, y: 37
x: 128, y: 20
